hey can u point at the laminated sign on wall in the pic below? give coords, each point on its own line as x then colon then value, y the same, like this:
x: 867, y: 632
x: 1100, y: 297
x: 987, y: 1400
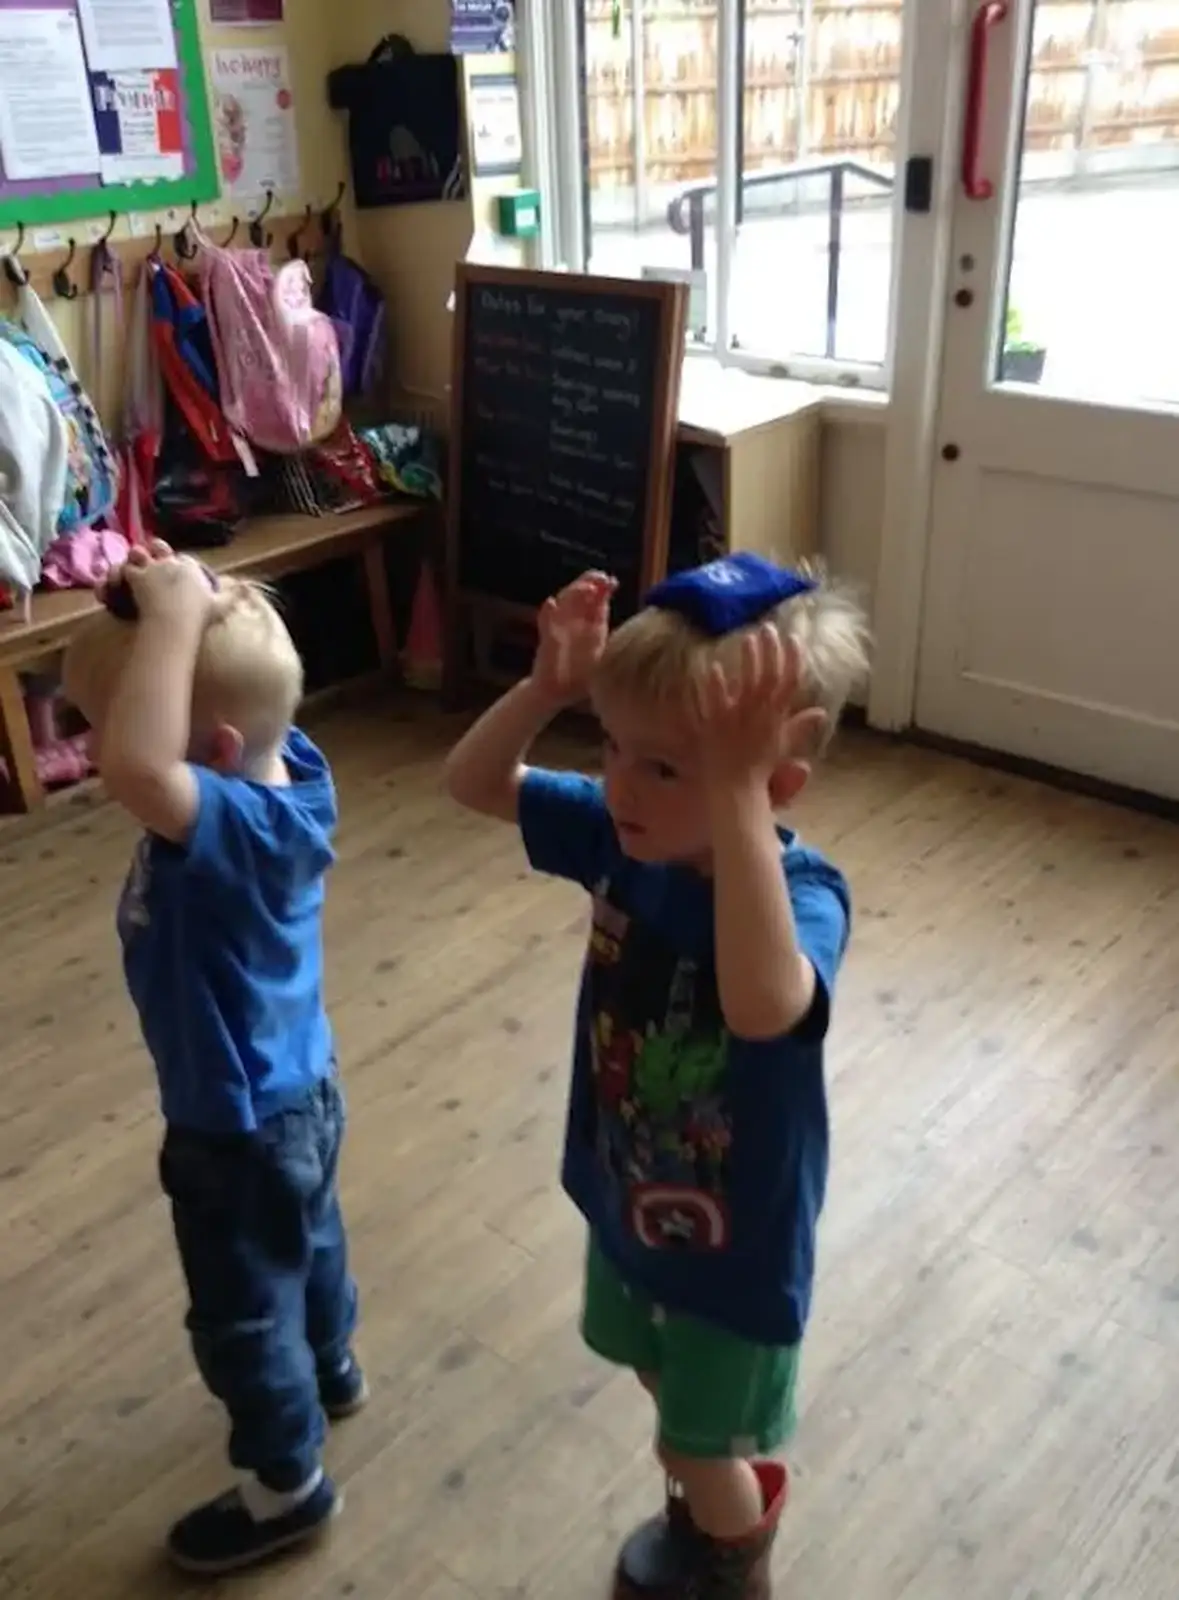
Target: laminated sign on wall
x: 477, y: 26
x: 254, y: 121
x: 140, y: 133
x: 244, y: 13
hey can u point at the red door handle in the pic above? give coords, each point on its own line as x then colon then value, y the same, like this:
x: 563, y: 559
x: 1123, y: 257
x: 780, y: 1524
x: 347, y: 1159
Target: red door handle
x: 988, y: 16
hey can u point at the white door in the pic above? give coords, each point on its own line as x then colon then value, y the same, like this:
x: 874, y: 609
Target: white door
x: 1051, y: 613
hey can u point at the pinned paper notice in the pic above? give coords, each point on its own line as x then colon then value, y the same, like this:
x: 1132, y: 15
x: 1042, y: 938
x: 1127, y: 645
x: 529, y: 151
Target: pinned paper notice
x: 128, y: 35
x: 46, y: 124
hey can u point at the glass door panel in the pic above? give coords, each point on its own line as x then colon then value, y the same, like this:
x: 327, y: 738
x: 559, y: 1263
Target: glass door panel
x: 651, y: 95
x: 1090, y: 309
x: 816, y: 202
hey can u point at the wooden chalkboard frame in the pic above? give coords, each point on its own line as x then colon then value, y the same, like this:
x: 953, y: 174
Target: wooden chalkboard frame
x: 464, y: 605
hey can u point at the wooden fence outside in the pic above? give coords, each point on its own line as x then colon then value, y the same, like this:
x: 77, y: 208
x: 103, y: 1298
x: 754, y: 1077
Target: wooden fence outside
x: 823, y: 78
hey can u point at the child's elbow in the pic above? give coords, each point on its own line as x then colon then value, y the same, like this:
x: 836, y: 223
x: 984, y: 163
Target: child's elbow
x: 458, y: 784
x: 761, y: 1012
x: 475, y: 793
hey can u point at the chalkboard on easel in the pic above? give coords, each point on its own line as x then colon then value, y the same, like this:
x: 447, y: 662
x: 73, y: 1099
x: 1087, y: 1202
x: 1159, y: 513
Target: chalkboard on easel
x: 564, y: 402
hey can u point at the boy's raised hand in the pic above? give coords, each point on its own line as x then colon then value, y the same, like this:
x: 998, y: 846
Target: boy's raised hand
x: 573, y: 627
x: 747, y: 723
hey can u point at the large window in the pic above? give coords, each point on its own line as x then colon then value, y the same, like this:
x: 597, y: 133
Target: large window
x: 779, y: 115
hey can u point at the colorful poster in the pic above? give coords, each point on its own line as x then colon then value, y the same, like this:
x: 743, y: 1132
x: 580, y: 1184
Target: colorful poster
x: 477, y: 26
x: 254, y: 119
x: 245, y: 13
x: 137, y: 115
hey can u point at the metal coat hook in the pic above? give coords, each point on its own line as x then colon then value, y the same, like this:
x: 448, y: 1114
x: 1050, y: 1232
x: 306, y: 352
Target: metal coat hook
x: 181, y: 241
x: 259, y: 237
x: 329, y: 220
x: 63, y: 287
x: 293, y: 245
x: 101, y: 259
x: 13, y: 270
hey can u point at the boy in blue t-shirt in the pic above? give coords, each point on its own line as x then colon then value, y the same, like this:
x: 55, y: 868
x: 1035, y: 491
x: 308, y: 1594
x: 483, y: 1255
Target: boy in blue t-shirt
x: 696, y: 1144
x: 220, y: 920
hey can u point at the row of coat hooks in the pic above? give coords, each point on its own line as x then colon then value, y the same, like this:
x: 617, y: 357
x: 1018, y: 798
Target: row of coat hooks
x: 184, y: 243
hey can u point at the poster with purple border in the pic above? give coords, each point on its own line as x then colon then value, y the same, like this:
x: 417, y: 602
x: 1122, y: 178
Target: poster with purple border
x: 478, y: 27
x: 245, y: 13
x: 83, y: 194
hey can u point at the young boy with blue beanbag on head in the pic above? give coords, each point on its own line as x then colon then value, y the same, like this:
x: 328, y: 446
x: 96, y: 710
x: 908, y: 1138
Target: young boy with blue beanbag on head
x: 697, y: 1139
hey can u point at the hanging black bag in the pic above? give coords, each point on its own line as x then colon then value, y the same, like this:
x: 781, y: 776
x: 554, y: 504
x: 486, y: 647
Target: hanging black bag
x: 405, y: 132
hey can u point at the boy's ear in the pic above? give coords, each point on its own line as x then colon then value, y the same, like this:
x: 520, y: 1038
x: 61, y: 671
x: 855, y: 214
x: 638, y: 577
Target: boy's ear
x: 226, y: 748
x: 806, y: 738
x: 787, y: 782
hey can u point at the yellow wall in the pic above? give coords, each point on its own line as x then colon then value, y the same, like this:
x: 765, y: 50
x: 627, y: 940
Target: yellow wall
x: 412, y: 250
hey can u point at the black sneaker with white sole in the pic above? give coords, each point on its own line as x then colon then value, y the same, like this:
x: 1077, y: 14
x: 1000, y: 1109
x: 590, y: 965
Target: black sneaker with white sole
x: 344, y: 1392
x: 222, y: 1536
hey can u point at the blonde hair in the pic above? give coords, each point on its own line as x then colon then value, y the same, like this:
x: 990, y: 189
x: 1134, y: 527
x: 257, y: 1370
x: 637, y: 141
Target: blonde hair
x: 247, y: 674
x: 653, y: 656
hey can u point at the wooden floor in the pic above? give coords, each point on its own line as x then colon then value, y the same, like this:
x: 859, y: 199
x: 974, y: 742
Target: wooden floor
x: 992, y: 1376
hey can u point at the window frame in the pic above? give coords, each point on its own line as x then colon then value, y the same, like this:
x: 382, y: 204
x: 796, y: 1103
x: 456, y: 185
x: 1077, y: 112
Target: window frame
x: 552, y: 37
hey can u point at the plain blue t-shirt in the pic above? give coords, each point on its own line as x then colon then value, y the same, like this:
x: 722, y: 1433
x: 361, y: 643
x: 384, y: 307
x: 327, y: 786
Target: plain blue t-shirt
x: 222, y: 946
x: 698, y: 1159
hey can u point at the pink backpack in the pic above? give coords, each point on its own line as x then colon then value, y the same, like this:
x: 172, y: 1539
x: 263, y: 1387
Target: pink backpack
x: 278, y: 360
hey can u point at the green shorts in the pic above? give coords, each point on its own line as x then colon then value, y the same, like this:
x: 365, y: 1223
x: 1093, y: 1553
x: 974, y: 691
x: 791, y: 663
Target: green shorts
x: 717, y: 1394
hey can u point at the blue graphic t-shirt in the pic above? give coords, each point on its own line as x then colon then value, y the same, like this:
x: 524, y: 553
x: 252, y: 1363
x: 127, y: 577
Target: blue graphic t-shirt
x: 222, y: 946
x: 698, y: 1159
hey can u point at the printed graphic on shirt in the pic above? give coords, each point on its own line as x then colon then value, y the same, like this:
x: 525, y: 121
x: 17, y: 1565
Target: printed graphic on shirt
x: 662, y: 1127
x: 133, y: 912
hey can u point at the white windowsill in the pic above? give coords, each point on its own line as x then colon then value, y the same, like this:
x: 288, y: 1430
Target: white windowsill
x: 863, y: 408
x: 726, y: 399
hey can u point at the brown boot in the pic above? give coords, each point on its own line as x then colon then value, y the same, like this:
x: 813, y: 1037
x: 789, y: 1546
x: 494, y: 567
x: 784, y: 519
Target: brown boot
x: 669, y: 1558
x: 656, y: 1560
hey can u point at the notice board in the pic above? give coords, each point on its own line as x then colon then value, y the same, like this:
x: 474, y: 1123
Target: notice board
x: 126, y: 126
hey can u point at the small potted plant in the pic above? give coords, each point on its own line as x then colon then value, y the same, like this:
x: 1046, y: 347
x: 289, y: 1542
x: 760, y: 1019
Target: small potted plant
x: 1022, y: 360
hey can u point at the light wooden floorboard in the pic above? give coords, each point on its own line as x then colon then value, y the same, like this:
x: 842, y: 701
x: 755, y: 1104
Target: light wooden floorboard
x: 992, y: 1375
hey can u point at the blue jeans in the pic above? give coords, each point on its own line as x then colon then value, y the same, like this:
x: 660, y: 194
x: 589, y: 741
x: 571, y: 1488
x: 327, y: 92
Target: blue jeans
x: 271, y: 1300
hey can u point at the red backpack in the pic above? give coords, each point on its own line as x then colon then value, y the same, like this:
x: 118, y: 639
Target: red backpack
x: 184, y: 349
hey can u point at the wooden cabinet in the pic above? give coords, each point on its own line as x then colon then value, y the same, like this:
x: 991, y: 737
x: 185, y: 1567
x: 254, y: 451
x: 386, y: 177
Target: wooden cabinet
x: 752, y: 446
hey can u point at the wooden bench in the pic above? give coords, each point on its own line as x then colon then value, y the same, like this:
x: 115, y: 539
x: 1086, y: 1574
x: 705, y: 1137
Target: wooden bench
x: 265, y: 547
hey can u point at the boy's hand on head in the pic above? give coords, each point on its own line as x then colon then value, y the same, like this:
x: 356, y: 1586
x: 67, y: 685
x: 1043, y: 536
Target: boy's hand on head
x: 749, y: 731
x: 166, y: 584
x: 573, y: 628
x: 745, y: 716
